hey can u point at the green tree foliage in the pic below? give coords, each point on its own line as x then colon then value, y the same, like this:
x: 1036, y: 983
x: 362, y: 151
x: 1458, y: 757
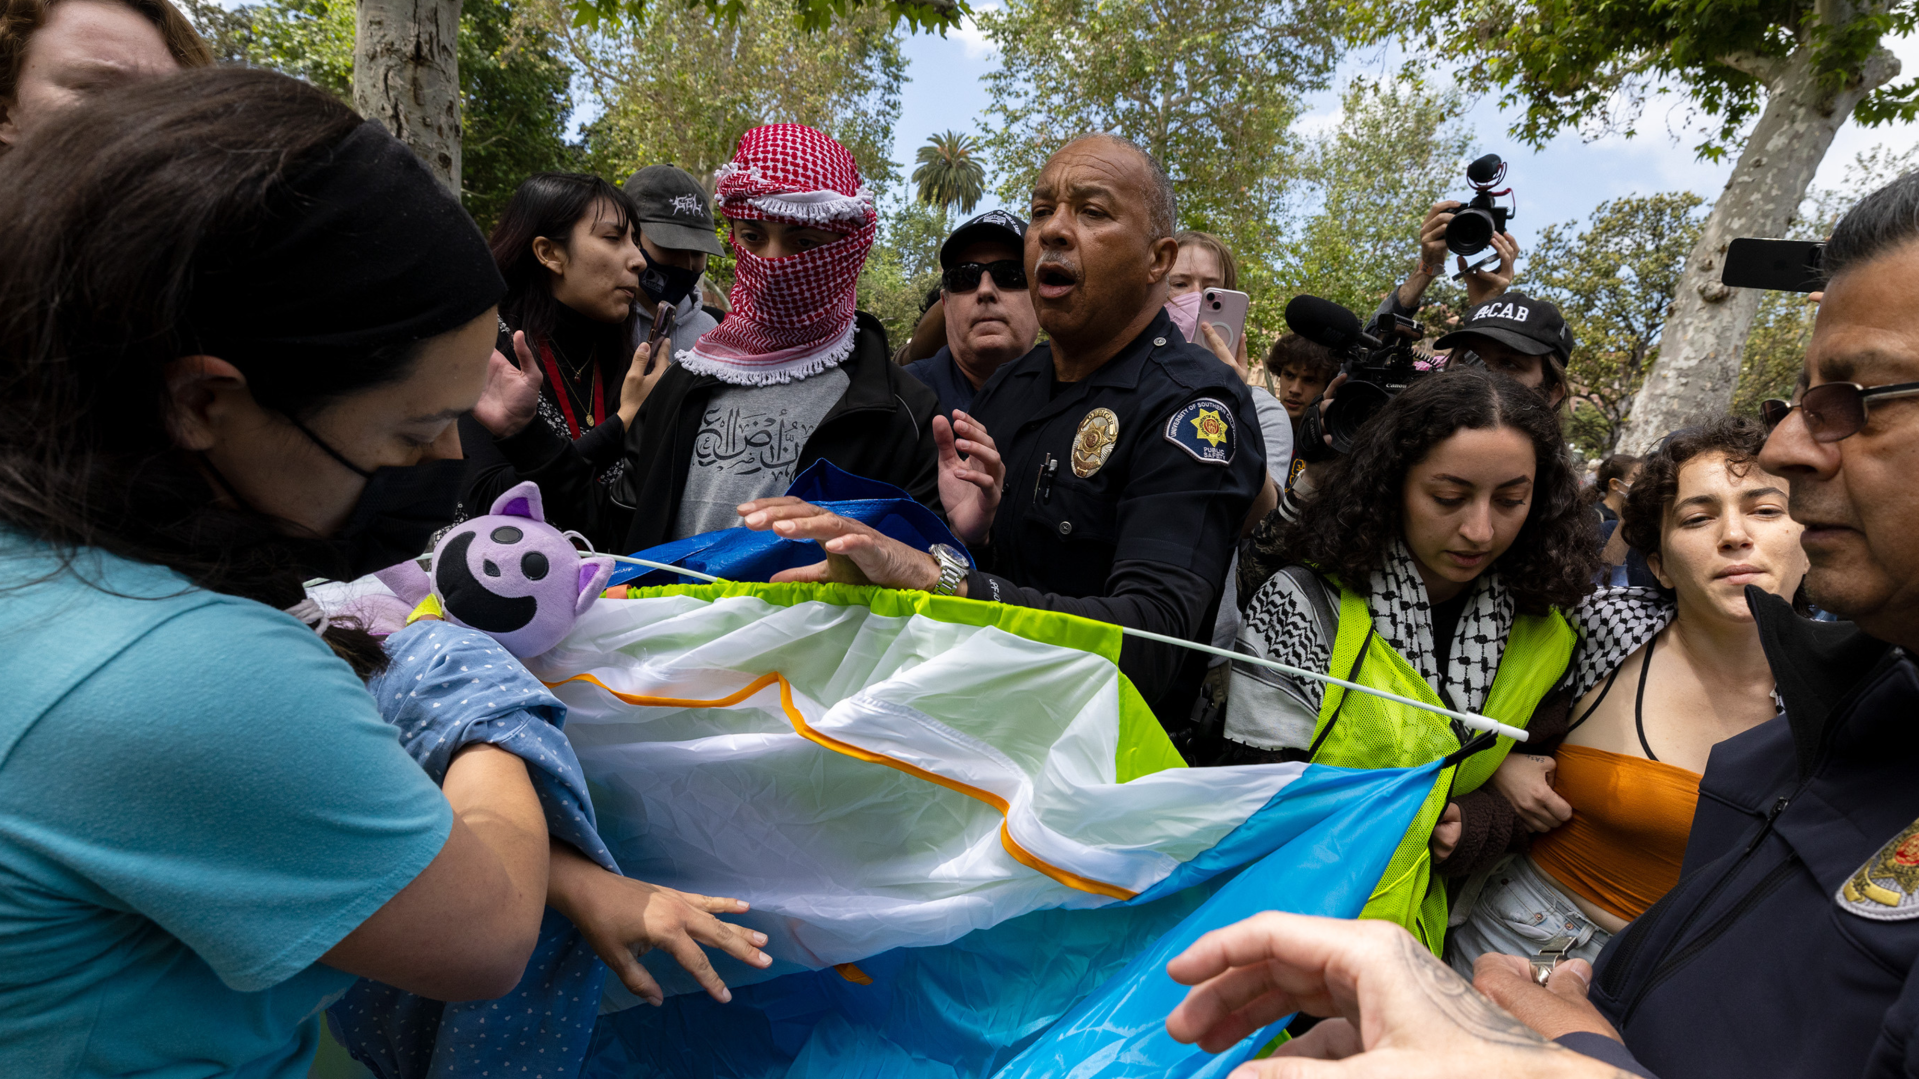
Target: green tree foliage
x: 1210, y: 87
x: 1614, y: 282
x: 1591, y: 66
x: 809, y: 15
x: 904, y: 265
x: 680, y: 88
x: 950, y: 172
x: 1371, y: 179
x: 513, y: 80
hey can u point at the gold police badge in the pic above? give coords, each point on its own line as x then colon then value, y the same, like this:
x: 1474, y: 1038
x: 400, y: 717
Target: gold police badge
x: 1094, y: 442
x: 1886, y: 888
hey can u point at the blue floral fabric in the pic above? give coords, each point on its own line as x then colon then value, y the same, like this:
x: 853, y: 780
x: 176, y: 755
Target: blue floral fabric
x: 446, y: 688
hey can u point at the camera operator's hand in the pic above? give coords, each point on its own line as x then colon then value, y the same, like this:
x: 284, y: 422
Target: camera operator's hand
x: 1432, y: 252
x: 1326, y: 402
x: 1484, y: 284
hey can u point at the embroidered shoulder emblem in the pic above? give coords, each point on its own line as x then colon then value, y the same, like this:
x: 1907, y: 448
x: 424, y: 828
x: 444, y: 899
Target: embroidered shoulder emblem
x: 1204, y: 428
x: 1886, y: 888
x: 1094, y: 442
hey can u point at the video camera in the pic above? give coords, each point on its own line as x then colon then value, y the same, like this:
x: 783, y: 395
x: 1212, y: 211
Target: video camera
x: 1471, y: 229
x: 1375, y: 370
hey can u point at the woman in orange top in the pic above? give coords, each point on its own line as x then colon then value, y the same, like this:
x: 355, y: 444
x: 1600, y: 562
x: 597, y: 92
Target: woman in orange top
x: 1668, y: 675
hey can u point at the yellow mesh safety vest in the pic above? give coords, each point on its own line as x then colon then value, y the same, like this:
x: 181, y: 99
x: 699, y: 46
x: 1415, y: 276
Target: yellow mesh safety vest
x: 1359, y: 730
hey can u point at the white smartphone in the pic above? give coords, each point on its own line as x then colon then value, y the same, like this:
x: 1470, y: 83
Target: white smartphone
x: 1225, y: 311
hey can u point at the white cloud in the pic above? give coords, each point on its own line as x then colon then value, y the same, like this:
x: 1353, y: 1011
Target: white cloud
x: 973, y: 40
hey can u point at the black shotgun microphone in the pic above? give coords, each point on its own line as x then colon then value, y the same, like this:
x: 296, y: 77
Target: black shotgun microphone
x: 1324, y: 322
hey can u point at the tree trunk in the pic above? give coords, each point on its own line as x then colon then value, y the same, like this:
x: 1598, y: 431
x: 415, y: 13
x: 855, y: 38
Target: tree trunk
x: 1699, y: 350
x: 406, y: 75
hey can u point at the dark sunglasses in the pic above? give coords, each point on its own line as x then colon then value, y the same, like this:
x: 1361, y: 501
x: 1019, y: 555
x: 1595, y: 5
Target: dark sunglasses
x: 1833, y: 410
x: 1007, y: 274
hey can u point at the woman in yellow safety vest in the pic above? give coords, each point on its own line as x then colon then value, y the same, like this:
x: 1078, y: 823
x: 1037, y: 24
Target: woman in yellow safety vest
x: 1435, y: 563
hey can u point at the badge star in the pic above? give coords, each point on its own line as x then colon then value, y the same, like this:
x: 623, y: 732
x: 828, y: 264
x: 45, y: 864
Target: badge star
x: 1211, y: 428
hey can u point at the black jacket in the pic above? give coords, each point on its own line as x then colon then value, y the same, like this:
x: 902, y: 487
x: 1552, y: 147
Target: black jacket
x: 881, y: 428
x: 1758, y: 963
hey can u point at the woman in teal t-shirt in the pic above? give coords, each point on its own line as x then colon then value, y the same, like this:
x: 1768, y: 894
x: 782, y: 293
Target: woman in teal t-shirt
x: 239, y: 325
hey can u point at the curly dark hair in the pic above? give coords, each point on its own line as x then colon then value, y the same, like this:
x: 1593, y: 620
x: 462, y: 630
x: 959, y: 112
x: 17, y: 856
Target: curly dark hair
x: 1348, y: 527
x: 1740, y: 438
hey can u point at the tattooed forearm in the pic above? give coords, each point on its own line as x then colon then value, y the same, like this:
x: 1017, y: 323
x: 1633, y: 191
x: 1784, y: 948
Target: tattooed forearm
x: 1462, y: 1003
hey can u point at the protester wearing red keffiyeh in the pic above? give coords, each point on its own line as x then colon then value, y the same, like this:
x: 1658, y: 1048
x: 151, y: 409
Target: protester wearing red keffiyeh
x: 792, y: 316
x: 794, y: 373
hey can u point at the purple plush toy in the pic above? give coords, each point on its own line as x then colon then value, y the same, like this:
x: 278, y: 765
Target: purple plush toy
x: 509, y: 575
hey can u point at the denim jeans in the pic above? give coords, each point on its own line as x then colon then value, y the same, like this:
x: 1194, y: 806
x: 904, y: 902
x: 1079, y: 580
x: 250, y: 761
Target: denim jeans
x: 1521, y: 911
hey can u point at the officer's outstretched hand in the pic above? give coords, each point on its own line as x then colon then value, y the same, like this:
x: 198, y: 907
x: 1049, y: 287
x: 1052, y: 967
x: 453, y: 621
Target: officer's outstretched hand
x: 969, y: 487
x: 1398, y: 1010
x: 855, y: 553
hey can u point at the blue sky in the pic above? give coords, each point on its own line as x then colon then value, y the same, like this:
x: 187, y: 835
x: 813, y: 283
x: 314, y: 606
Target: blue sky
x: 1565, y: 181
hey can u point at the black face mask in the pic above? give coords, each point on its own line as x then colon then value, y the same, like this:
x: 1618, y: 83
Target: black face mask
x: 395, y: 517
x: 666, y: 284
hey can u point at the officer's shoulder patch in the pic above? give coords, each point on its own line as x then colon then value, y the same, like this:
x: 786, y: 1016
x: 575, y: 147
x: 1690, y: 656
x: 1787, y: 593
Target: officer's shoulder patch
x: 1204, y: 428
x: 1886, y: 888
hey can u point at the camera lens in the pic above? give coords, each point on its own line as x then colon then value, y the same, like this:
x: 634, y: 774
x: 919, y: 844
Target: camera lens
x: 1216, y: 305
x: 1353, y: 405
x: 1469, y: 232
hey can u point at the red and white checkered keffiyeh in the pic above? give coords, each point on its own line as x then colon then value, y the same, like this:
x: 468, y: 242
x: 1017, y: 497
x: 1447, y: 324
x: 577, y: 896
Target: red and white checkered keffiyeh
x: 792, y: 316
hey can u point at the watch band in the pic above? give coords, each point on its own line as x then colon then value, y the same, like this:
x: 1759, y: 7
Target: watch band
x: 953, y: 568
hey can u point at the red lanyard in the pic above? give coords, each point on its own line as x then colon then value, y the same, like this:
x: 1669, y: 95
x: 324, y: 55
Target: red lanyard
x: 563, y: 393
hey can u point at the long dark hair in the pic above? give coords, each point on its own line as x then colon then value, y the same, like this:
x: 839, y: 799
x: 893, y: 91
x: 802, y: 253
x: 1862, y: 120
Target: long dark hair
x: 549, y: 204
x: 1348, y: 528
x: 108, y: 221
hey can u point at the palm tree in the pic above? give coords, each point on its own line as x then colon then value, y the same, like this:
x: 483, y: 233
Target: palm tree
x: 950, y: 172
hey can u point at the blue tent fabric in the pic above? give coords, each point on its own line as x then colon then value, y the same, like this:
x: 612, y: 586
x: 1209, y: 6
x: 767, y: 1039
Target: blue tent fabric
x: 1052, y: 993
x: 741, y: 554
x: 448, y: 687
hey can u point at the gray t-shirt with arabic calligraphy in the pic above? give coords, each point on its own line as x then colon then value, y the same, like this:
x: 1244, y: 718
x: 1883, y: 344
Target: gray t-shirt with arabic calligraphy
x: 749, y: 446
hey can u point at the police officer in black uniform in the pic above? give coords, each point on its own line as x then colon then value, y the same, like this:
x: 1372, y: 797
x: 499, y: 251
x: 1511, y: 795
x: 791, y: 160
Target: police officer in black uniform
x: 1131, y: 457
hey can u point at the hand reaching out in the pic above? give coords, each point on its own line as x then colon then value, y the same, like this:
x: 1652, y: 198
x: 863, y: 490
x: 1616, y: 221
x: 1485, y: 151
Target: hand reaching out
x: 969, y: 489
x: 1553, y: 1010
x: 1484, y: 284
x: 855, y: 553
x: 1526, y: 780
x: 1234, y: 358
x: 624, y: 918
x: 1398, y: 1010
x: 511, y: 397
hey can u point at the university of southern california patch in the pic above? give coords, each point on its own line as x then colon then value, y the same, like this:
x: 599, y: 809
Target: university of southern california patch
x: 1886, y: 888
x: 1204, y: 428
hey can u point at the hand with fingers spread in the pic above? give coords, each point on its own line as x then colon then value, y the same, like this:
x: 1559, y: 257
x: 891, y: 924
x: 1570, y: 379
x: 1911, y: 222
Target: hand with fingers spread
x: 624, y: 919
x: 1552, y: 1010
x: 639, y: 383
x: 855, y: 553
x: 1397, y: 1011
x: 511, y: 397
x: 969, y: 488
x: 1485, y: 283
x: 1526, y: 780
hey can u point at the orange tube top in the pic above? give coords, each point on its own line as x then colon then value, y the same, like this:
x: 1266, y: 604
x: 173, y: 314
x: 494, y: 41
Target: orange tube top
x: 1623, y: 846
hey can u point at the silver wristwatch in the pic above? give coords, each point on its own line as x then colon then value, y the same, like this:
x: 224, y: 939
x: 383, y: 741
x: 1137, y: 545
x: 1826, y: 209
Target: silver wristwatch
x: 953, y: 567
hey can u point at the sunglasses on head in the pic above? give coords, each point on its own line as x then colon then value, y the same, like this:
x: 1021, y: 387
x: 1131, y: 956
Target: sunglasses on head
x: 1833, y: 410
x: 1008, y: 274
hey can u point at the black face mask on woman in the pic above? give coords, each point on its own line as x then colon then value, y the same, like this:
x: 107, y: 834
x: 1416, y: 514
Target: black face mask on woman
x: 666, y: 284
x: 396, y: 515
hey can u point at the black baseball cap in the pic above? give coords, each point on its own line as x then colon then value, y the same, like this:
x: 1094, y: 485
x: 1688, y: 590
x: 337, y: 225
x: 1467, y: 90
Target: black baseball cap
x: 991, y: 225
x: 674, y: 210
x: 1515, y: 319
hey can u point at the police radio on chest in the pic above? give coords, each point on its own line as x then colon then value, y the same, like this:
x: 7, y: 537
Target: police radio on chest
x: 1375, y: 371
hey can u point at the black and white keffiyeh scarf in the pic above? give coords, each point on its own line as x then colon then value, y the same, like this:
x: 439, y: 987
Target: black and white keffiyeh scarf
x: 1613, y: 623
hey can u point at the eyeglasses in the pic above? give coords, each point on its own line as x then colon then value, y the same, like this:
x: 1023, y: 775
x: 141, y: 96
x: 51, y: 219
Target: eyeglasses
x: 1008, y: 274
x: 1833, y: 410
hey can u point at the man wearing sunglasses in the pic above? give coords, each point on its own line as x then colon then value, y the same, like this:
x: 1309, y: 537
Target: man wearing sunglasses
x: 989, y: 313
x: 1789, y: 946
